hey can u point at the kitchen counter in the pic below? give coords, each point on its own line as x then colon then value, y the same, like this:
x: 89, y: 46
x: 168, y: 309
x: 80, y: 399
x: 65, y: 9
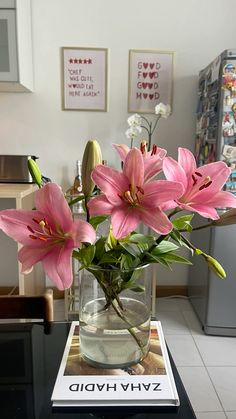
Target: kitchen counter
x: 16, y: 190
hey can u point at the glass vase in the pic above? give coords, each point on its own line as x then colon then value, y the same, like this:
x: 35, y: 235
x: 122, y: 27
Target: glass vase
x: 114, y: 314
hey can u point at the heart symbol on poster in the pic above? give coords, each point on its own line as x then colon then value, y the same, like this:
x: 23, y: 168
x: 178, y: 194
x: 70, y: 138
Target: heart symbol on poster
x: 145, y: 65
x: 151, y: 65
x: 151, y: 96
x: 151, y: 74
x: 74, y: 85
x: 145, y: 75
x: 145, y: 95
x: 145, y: 85
x: 150, y: 85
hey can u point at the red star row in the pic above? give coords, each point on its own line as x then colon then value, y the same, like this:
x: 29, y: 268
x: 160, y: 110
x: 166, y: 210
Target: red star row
x: 80, y: 61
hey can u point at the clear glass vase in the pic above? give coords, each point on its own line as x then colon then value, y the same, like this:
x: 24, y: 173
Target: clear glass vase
x: 114, y: 314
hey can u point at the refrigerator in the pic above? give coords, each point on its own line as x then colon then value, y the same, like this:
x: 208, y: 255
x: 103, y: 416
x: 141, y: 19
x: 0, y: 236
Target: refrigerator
x: 214, y: 299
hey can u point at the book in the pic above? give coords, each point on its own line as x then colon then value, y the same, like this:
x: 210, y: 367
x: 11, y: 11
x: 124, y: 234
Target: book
x: 148, y: 383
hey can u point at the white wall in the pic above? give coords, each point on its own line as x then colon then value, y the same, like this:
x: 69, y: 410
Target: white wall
x: 34, y: 123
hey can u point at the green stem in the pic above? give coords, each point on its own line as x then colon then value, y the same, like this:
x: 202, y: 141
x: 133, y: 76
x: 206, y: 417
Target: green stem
x: 86, y: 209
x: 130, y: 329
x: 114, y: 300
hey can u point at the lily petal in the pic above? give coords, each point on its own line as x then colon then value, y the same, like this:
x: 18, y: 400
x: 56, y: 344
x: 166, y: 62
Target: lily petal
x: 158, y: 192
x: 157, y: 220
x: 173, y: 171
x: 15, y: 223
x: 110, y: 181
x: 124, y: 220
x: 58, y: 266
x: 29, y: 255
x: 100, y: 205
x: 50, y: 200
x: 83, y: 232
x: 122, y: 150
x: 153, y: 163
x: 187, y: 161
x: 134, y: 167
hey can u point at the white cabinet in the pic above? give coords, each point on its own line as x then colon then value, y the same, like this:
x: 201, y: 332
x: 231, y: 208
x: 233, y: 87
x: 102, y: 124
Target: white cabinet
x: 17, y: 196
x: 16, y: 67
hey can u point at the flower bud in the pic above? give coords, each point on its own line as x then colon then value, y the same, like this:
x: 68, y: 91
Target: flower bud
x: 215, y: 266
x: 35, y: 172
x: 91, y: 158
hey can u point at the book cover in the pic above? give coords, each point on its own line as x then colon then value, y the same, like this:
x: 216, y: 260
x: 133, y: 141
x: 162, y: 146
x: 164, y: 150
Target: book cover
x: 148, y: 383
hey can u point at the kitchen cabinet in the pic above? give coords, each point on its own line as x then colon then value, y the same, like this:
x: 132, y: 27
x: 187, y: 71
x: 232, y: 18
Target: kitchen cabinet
x: 17, y: 196
x: 16, y: 67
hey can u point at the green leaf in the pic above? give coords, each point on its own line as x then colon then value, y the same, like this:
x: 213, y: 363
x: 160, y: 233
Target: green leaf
x: 86, y: 255
x: 108, y: 258
x: 164, y: 247
x: 183, y: 223
x: 142, y: 239
x: 175, y: 235
x: 75, y: 200
x: 139, y: 288
x: 126, y: 261
x: 95, y: 221
x: 172, y: 257
x: 130, y: 278
x: 156, y: 259
x: 130, y: 248
x: 111, y: 240
x: 100, y: 247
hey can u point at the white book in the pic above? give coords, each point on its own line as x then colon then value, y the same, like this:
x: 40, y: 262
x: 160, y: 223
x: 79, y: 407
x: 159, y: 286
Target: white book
x: 149, y: 383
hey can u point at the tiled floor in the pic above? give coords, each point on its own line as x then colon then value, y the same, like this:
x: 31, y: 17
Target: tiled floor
x: 207, y: 364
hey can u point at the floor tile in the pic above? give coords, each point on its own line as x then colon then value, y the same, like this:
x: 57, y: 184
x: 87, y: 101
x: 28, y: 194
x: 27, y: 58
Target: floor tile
x: 231, y: 415
x: 193, y: 322
x: 210, y: 415
x: 184, y: 304
x: 184, y: 350
x: 217, y: 351
x: 167, y: 304
x: 200, y: 389
x: 224, y: 379
x: 173, y: 322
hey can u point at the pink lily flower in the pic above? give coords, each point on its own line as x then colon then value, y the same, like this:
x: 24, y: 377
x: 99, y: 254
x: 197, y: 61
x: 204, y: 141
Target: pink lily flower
x: 153, y: 159
x: 129, y: 199
x: 47, y: 234
x: 202, y: 185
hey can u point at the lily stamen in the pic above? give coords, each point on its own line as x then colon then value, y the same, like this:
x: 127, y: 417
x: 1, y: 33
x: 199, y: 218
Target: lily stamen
x: 154, y: 149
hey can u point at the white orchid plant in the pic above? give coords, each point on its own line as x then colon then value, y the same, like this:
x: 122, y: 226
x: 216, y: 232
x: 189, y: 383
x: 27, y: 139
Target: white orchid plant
x: 137, y: 123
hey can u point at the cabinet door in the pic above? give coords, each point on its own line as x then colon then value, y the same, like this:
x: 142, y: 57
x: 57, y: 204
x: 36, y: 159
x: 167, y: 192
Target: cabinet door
x: 8, y: 46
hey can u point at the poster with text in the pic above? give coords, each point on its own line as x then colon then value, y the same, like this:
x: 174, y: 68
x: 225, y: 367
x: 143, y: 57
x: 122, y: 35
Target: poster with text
x: 150, y: 80
x: 84, y: 79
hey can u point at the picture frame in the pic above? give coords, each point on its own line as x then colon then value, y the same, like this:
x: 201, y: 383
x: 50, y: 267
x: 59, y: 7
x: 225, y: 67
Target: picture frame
x: 150, y: 80
x: 84, y: 79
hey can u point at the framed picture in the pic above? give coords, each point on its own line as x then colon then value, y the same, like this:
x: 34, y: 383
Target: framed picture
x: 84, y: 79
x: 150, y: 80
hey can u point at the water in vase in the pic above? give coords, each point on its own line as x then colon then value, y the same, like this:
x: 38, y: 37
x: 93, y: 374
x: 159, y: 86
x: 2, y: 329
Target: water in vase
x: 110, y: 341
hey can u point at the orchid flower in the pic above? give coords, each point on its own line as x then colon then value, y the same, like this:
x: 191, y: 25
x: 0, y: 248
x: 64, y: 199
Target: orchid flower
x: 163, y: 110
x: 153, y: 159
x: 132, y: 132
x: 134, y: 120
x: 129, y: 199
x: 202, y: 186
x: 48, y: 234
